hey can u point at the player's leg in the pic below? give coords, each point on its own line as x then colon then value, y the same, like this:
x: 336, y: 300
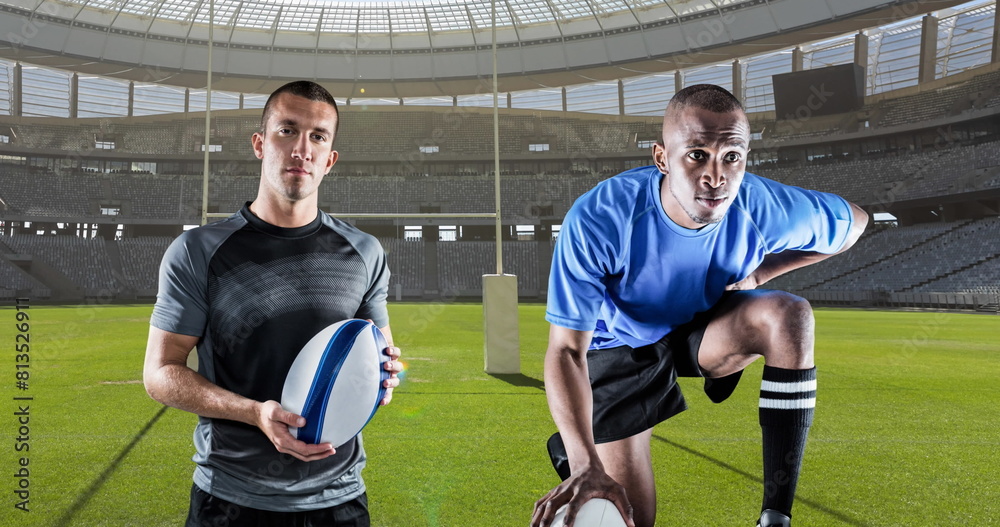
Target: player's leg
x: 633, y: 390
x: 628, y: 461
x: 353, y: 513
x: 779, y: 327
x: 206, y: 510
x: 751, y: 324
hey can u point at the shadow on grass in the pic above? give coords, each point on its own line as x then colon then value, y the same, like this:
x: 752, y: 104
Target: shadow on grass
x: 85, y: 497
x: 798, y: 499
x: 518, y: 379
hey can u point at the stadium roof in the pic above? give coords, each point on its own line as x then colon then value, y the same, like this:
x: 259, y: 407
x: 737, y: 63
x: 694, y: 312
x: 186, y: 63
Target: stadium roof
x: 417, y: 47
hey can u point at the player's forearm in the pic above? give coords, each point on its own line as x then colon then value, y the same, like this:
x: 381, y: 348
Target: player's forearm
x: 777, y: 264
x: 567, y: 388
x: 181, y: 387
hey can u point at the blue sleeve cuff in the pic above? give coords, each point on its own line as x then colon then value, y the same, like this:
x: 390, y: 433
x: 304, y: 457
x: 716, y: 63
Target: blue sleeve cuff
x: 568, y: 323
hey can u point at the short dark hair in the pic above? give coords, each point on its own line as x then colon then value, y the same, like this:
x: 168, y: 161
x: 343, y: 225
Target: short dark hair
x: 307, y: 89
x: 707, y: 97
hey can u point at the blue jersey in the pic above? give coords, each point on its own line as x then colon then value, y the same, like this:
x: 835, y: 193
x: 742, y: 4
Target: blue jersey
x: 622, y: 268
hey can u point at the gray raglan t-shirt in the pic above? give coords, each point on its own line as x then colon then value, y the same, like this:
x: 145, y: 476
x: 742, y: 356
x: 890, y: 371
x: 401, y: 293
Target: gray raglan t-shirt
x: 255, y: 294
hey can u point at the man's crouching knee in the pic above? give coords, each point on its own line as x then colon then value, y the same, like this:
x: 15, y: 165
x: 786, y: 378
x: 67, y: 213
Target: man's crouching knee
x: 784, y: 329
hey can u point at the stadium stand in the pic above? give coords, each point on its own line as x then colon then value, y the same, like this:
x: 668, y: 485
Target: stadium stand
x: 229, y: 193
x: 867, y: 181
x: 65, y: 195
x: 974, y: 279
x: 85, y: 262
x: 13, y: 279
x: 875, y: 180
x: 939, y: 257
x: 898, y: 158
x: 875, y: 245
x: 368, y: 134
x: 941, y: 102
x: 406, y: 263
x: 462, y: 264
x: 140, y: 263
x: 147, y: 196
x: 903, y: 259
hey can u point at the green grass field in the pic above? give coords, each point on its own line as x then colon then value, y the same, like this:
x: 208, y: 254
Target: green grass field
x: 905, y: 431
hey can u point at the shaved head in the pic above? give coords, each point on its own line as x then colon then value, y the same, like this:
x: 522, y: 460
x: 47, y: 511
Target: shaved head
x: 705, y: 96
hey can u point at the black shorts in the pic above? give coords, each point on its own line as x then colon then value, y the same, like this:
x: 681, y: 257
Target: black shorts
x: 636, y: 388
x: 209, y: 511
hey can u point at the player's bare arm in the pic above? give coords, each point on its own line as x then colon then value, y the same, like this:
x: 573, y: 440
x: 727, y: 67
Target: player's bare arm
x: 777, y: 264
x: 170, y: 381
x: 570, y: 398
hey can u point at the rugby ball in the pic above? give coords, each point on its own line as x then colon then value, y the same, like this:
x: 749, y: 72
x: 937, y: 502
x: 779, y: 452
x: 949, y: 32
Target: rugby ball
x: 597, y: 512
x: 335, y: 382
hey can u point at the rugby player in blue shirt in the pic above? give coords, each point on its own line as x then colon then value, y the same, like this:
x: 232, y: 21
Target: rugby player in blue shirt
x: 654, y: 276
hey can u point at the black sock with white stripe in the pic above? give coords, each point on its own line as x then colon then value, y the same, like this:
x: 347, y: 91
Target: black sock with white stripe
x: 787, y: 403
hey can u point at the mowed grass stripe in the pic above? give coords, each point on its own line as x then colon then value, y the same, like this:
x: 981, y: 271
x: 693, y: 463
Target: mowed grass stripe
x: 904, y: 431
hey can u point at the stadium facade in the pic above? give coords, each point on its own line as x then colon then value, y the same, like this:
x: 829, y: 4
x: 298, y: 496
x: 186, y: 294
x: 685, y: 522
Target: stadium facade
x: 101, y: 157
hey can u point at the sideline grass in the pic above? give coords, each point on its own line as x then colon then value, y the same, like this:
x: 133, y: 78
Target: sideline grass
x: 904, y: 433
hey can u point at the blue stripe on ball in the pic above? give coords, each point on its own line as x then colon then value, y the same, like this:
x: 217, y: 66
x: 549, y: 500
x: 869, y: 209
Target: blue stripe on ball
x: 314, y: 410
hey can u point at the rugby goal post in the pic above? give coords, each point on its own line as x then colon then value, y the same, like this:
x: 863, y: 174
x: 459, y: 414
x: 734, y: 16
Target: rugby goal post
x: 501, y: 344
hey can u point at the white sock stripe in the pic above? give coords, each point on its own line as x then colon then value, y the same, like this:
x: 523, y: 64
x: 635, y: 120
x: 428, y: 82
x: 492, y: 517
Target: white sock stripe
x: 788, y: 404
x: 788, y: 387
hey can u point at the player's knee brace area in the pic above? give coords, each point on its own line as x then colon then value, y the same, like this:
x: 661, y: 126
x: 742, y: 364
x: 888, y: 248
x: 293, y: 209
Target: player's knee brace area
x: 781, y: 316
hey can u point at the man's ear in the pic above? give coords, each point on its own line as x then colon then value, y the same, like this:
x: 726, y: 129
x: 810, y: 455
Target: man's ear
x: 257, y: 141
x: 332, y: 160
x: 660, y: 157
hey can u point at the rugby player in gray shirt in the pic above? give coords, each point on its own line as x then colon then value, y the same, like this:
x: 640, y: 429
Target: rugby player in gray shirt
x: 249, y: 292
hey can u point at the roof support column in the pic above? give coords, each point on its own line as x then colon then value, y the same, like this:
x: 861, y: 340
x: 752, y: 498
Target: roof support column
x: 16, y: 106
x: 798, y: 59
x: 678, y: 81
x: 928, y: 49
x: 861, y: 50
x: 187, y: 100
x: 995, y: 57
x: 508, y: 101
x: 738, y: 81
x: 861, y: 54
x: 564, y: 106
x: 74, y: 95
x: 621, y: 97
x: 131, y: 99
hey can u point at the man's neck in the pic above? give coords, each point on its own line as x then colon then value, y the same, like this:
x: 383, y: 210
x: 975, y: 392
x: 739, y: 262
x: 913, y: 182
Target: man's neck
x: 287, y: 214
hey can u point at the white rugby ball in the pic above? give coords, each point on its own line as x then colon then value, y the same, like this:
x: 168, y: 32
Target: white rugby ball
x: 597, y: 512
x: 335, y: 382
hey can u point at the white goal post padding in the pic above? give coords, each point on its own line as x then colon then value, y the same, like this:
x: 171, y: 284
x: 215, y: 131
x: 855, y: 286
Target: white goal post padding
x: 502, y: 344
